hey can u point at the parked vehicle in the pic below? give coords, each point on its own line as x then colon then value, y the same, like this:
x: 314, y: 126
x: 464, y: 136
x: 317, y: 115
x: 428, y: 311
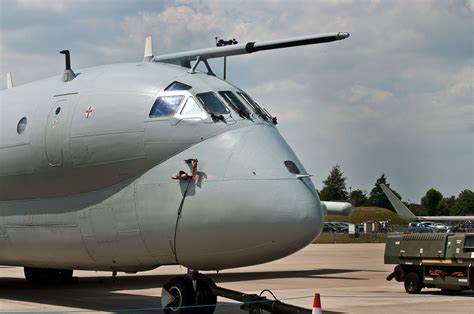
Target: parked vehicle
x: 329, y: 227
x: 342, y: 226
x: 443, y: 261
x: 421, y: 227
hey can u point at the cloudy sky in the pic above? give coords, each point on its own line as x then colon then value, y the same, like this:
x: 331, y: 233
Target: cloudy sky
x: 395, y: 98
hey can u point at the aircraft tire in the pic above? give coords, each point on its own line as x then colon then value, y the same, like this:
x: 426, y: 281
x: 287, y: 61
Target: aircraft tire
x: 204, y: 296
x: 413, y: 283
x: 181, y: 289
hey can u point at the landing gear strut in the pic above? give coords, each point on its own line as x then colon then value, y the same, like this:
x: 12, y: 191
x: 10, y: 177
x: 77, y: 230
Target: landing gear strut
x: 197, y: 294
x: 44, y: 275
x: 188, y: 295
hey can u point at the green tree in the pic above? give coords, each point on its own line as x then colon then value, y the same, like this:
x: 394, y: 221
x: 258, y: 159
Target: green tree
x: 431, y: 201
x: 417, y: 209
x: 358, y: 197
x: 377, y: 197
x: 446, y: 206
x: 464, y: 204
x: 334, y: 187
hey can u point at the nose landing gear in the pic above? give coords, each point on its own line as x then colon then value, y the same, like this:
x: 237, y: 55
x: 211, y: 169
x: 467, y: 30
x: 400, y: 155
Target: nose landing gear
x: 197, y: 294
x: 188, y: 295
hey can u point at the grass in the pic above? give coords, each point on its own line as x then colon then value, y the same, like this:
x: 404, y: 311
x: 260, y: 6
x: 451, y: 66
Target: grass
x: 362, y: 214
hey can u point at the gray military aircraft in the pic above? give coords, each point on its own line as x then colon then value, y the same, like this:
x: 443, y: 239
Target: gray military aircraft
x: 128, y: 167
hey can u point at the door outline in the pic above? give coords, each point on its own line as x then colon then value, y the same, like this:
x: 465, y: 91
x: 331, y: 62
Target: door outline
x: 55, y: 133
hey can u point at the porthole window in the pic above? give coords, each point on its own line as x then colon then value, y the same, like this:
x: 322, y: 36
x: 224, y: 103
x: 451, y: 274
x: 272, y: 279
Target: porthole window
x: 292, y: 167
x: 20, y: 128
x: 58, y: 110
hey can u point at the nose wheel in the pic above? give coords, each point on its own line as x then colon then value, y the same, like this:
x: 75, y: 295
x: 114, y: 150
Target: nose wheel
x: 183, y: 295
x: 197, y: 294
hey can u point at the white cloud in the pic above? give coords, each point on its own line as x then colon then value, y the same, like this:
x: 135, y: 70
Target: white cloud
x: 464, y: 83
x: 174, y: 24
x: 43, y: 5
x: 395, y: 97
x: 363, y: 94
x: 278, y: 87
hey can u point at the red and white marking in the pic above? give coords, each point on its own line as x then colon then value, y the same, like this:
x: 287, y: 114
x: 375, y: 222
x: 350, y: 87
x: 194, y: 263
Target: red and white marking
x: 317, y: 304
x: 89, y: 111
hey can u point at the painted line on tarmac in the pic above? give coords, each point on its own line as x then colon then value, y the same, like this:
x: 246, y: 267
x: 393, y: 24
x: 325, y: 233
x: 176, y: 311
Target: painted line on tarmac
x: 229, y: 304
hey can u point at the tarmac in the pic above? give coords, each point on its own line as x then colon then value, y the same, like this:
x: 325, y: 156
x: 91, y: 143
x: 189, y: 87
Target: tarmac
x: 349, y: 277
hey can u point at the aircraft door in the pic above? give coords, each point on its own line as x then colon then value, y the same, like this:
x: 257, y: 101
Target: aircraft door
x: 56, y: 131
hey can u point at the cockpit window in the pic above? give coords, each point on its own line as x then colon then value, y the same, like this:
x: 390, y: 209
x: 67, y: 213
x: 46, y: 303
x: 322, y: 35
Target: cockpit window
x: 191, y: 108
x: 235, y: 103
x: 258, y: 110
x: 211, y: 103
x: 166, y: 106
x: 178, y: 86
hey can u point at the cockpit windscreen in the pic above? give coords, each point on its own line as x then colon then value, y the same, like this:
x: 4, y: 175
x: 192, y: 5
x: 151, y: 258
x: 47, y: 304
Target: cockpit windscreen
x: 177, y: 86
x: 235, y: 103
x: 166, y: 106
x: 211, y: 103
x: 258, y: 110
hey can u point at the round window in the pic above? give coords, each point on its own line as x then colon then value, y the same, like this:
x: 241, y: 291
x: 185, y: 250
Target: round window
x: 20, y: 128
x: 58, y: 110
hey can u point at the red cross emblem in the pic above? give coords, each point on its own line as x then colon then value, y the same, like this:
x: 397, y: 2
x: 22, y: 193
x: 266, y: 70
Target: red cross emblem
x: 89, y: 111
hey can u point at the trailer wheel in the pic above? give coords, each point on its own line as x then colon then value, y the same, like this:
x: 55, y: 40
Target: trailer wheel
x: 413, y: 283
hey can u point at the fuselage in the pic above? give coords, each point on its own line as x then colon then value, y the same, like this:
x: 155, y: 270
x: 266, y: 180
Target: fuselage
x: 87, y: 167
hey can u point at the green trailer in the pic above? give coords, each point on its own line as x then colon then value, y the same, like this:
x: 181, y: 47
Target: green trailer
x: 432, y: 260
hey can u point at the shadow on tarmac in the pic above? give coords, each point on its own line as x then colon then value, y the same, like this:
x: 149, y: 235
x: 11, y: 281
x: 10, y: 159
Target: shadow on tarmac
x: 104, y: 294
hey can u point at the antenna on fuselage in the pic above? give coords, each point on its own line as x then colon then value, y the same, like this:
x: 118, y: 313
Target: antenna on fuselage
x: 9, y: 80
x: 148, y: 54
x: 69, y: 74
x: 221, y: 43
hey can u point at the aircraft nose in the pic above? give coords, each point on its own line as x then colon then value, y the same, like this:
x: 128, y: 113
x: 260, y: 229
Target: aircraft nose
x: 261, y: 209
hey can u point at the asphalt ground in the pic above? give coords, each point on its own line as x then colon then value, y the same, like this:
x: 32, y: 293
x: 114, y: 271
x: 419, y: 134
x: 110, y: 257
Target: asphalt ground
x: 349, y: 277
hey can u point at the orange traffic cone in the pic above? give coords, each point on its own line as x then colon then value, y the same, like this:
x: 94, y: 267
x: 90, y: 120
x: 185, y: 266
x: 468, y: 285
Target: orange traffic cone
x: 317, y: 304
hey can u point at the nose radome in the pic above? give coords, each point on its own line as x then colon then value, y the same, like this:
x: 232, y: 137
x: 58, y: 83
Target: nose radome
x: 258, y: 212
x: 261, y: 153
x: 250, y: 222
x: 265, y: 154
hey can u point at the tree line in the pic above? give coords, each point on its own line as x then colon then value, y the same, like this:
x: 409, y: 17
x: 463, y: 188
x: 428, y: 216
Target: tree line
x: 433, y: 203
